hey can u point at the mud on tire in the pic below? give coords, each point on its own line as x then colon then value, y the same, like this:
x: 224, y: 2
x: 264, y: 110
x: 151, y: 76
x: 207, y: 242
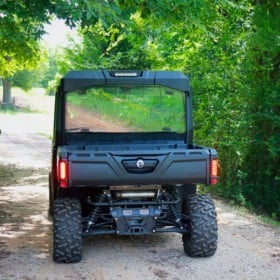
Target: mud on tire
x: 203, y: 237
x: 67, y: 231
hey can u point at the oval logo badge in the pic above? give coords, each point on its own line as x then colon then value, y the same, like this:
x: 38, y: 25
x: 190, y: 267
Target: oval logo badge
x: 140, y: 163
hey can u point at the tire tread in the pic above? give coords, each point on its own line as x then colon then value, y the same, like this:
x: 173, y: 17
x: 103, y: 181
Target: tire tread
x: 67, y: 232
x: 203, y: 237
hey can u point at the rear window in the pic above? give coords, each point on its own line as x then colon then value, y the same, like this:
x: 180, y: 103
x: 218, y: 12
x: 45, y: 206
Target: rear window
x: 125, y: 109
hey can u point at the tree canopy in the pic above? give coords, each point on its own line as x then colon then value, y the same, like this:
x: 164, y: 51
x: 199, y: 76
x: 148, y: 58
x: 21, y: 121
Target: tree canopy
x: 21, y: 25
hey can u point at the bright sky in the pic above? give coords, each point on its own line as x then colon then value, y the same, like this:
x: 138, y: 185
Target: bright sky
x: 57, y: 34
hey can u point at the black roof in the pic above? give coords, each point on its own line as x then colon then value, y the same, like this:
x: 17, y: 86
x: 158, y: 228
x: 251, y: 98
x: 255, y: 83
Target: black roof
x: 88, y: 78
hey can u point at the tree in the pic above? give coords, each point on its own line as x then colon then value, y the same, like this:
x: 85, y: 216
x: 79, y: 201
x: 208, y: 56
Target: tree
x: 22, y: 24
x: 262, y: 162
x: 23, y: 79
x: 19, y: 48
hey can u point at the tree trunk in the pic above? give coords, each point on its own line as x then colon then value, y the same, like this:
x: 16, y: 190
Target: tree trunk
x: 7, y: 95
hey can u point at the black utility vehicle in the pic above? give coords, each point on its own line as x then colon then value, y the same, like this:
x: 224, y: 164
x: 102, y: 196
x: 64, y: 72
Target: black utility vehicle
x: 123, y: 162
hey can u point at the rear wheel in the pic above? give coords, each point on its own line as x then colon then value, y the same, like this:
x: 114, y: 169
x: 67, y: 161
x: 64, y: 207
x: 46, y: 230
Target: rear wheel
x: 67, y: 231
x: 203, y: 236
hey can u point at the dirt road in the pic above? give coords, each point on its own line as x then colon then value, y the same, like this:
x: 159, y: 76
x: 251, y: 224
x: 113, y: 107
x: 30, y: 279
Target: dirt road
x: 247, y: 249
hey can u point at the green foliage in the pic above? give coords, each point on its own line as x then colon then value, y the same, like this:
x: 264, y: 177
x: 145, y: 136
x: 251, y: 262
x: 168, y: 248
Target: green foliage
x: 250, y: 126
x: 21, y: 24
x: 263, y: 97
x: 23, y: 79
x: 113, y: 47
x: 48, y: 69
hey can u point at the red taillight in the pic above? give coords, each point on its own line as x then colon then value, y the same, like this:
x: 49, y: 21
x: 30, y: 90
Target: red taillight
x: 214, y: 171
x: 62, y: 172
